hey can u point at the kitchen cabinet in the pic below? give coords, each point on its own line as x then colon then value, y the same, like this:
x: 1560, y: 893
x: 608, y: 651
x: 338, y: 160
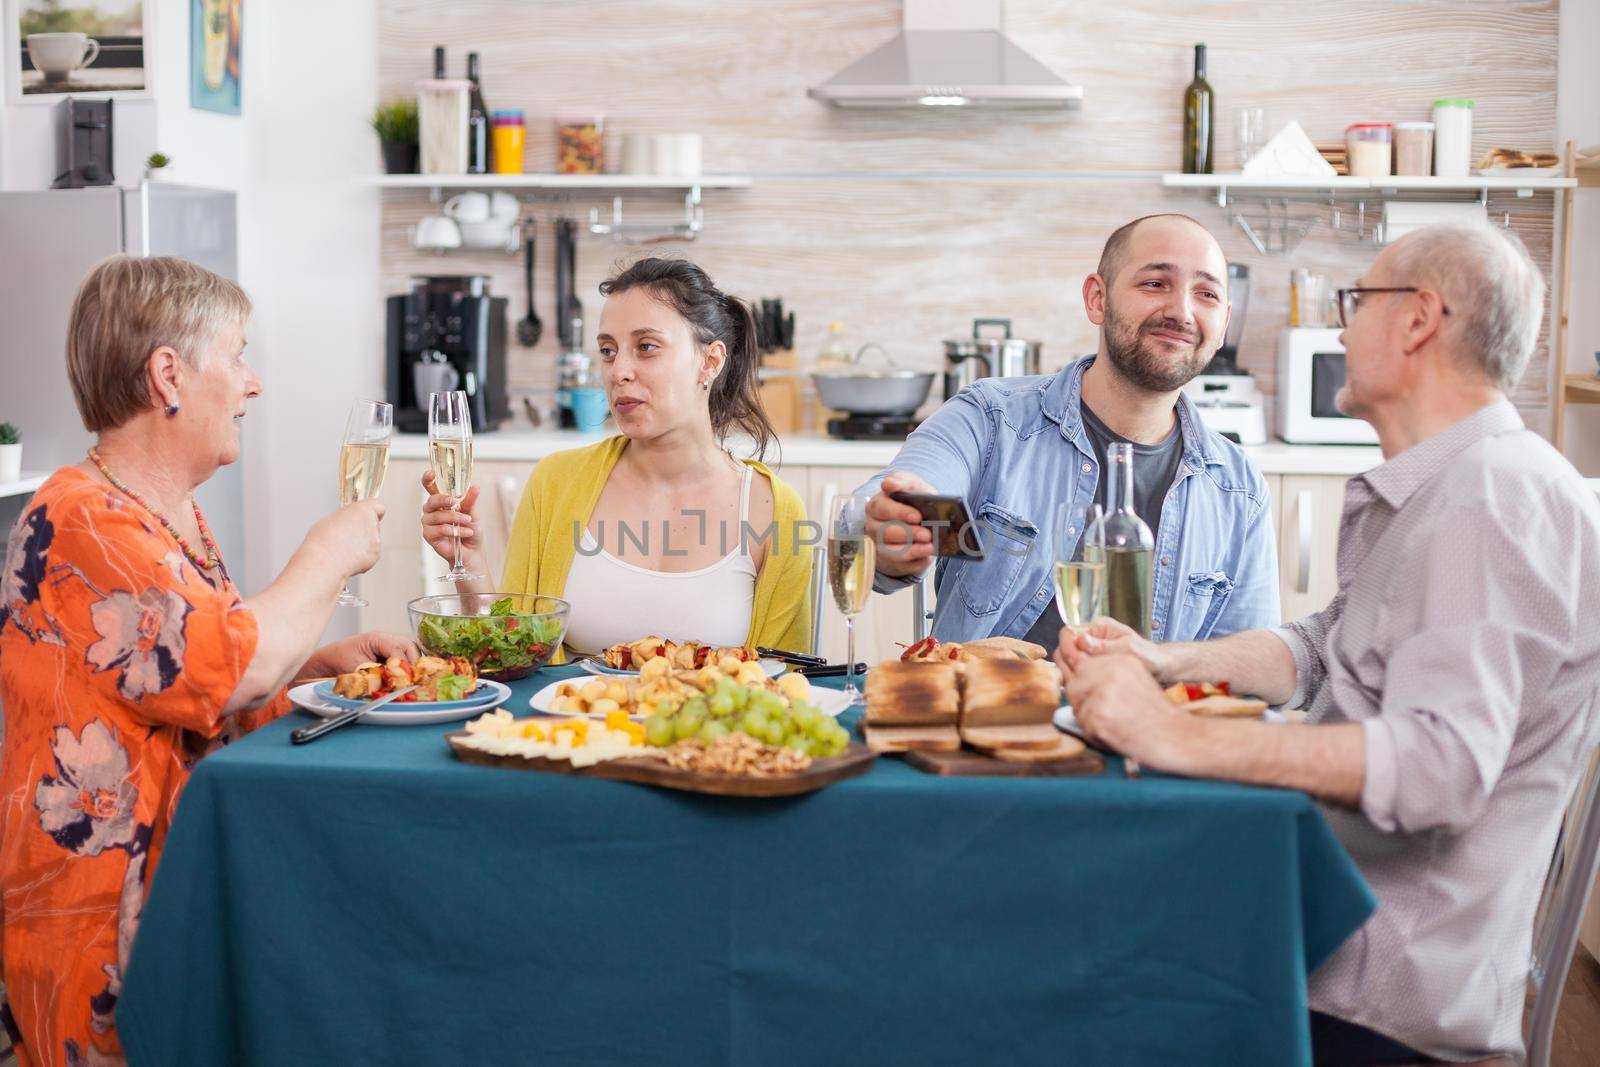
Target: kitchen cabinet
x: 1307, y: 508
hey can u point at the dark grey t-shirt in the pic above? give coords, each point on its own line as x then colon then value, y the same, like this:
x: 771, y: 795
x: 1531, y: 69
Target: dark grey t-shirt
x: 1154, y: 467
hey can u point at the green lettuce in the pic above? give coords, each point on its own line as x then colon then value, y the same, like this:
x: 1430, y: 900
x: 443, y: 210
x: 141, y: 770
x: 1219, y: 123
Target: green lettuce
x: 453, y: 686
x: 493, y: 642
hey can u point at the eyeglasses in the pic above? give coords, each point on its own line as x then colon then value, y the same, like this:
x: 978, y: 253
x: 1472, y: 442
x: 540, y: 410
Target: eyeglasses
x: 1350, y: 300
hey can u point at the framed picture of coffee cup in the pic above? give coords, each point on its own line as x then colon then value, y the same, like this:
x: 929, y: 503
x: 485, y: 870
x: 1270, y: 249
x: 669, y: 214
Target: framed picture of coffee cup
x: 214, y: 58
x: 56, y: 48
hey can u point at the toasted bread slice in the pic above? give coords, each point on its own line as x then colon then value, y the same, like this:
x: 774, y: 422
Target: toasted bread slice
x: 912, y: 694
x: 1224, y: 707
x: 1000, y: 647
x: 909, y: 738
x: 1010, y: 692
x: 1065, y: 748
x: 1039, y: 735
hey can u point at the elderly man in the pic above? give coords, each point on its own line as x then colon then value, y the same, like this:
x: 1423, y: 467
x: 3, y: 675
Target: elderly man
x: 1015, y: 449
x: 1451, y: 684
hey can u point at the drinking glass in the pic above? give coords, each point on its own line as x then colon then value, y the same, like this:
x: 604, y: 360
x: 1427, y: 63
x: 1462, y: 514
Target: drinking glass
x: 1080, y: 570
x: 363, y: 461
x: 1251, y: 132
x: 851, y: 562
x: 450, y: 448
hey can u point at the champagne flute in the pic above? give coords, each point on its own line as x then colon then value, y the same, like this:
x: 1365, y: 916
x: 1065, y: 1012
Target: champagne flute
x: 1080, y: 564
x: 450, y: 447
x: 851, y: 562
x: 363, y: 461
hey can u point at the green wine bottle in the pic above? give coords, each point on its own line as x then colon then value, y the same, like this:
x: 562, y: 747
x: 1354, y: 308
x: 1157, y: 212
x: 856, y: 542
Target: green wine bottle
x: 1199, y: 110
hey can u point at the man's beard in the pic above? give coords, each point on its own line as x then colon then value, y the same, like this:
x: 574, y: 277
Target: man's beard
x: 1144, y: 361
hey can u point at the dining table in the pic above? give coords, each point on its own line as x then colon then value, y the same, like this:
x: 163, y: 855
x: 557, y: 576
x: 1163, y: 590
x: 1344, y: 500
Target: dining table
x: 371, y: 899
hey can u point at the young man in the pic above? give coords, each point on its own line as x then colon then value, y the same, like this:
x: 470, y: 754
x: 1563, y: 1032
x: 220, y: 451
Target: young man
x: 1015, y: 449
x: 1450, y: 686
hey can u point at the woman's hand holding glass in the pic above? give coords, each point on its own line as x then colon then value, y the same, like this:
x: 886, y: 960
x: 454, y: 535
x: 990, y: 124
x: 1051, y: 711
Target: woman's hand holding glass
x: 448, y: 522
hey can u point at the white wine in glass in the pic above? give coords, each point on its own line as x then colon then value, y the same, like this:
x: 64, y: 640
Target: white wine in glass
x: 450, y: 448
x: 1080, y: 570
x: 851, y: 556
x: 363, y: 461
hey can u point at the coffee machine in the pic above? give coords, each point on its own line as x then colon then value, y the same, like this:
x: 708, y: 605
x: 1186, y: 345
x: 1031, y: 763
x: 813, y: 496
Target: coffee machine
x: 447, y: 333
x: 1225, y: 395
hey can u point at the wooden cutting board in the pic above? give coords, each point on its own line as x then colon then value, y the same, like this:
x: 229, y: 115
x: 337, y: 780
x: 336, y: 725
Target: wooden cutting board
x: 855, y: 760
x: 970, y: 762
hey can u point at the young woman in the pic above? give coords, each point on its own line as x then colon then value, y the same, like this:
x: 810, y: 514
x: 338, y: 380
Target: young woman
x: 659, y: 530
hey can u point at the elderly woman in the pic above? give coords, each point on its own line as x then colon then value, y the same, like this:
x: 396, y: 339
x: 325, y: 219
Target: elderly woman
x: 659, y: 531
x: 126, y: 652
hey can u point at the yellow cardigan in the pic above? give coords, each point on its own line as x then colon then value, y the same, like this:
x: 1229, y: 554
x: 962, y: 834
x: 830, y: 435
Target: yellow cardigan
x: 564, y: 489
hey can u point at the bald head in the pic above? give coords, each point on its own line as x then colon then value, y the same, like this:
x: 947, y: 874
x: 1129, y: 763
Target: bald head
x: 1114, y: 256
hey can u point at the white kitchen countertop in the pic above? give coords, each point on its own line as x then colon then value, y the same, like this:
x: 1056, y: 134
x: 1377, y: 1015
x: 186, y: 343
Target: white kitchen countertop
x: 820, y: 450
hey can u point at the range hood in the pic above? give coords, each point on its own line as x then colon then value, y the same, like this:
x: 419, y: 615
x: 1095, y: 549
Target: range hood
x: 950, y: 53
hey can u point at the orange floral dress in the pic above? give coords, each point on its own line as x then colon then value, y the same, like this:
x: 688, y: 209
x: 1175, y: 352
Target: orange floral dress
x: 117, y: 656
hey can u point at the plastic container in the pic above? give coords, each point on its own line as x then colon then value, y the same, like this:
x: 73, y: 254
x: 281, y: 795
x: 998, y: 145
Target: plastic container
x: 1369, y: 149
x: 580, y: 146
x: 1413, y: 149
x: 510, y: 134
x: 442, y: 124
x: 1452, y: 138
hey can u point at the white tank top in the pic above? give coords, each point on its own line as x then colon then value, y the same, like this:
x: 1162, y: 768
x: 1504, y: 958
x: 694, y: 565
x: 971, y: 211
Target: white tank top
x: 614, y: 602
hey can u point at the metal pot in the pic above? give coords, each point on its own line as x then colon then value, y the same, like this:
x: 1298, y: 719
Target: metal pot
x: 884, y: 391
x: 967, y: 360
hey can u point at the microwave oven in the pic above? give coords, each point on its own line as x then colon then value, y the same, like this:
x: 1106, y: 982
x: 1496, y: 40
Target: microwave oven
x: 1310, y: 375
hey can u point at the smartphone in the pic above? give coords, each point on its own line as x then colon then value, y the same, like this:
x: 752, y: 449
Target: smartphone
x: 954, y: 532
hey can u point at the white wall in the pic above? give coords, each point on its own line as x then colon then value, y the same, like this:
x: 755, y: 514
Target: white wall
x: 1578, y: 119
x: 308, y: 236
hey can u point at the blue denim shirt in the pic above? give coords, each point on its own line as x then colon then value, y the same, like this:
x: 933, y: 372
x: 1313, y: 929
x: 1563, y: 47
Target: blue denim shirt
x: 1015, y: 448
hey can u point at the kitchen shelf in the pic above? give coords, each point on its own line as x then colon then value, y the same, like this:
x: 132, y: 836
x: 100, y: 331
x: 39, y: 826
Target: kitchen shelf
x: 1345, y: 184
x: 571, y: 183
x: 1583, y: 389
x: 25, y: 486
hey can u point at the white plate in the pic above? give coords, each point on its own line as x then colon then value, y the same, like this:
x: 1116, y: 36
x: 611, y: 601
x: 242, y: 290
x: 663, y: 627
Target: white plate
x: 773, y: 667
x: 303, y: 696
x: 830, y: 702
x: 1067, y: 722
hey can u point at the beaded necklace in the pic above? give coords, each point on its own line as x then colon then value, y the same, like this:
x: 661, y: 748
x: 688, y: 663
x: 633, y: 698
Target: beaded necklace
x: 212, y: 559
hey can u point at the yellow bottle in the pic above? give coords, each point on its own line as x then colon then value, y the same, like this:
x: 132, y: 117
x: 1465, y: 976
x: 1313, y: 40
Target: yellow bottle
x: 510, y: 138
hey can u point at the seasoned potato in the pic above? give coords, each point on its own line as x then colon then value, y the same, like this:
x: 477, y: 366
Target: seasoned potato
x: 592, y: 691
x: 794, y: 686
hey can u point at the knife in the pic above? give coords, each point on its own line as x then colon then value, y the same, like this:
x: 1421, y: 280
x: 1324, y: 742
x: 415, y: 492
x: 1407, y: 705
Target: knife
x: 327, y: 726
x: 792, y: 657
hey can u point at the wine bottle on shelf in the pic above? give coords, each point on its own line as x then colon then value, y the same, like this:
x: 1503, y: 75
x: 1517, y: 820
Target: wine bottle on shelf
x: 1129, y: 546
x: 480, y: 146
x: 1199, y: 112
x: 438, y: 62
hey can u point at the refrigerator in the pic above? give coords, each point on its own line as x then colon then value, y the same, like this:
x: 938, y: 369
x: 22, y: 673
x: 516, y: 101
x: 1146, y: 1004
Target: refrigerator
x: 50, y: 239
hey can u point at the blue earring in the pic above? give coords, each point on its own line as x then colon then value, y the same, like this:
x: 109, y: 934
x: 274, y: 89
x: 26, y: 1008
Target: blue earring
x: 172, y: 409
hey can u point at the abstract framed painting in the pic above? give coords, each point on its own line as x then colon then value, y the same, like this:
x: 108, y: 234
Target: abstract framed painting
x: 215, y: 68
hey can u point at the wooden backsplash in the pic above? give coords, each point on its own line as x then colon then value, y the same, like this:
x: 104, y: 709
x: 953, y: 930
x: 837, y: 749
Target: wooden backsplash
x: 907, y: 225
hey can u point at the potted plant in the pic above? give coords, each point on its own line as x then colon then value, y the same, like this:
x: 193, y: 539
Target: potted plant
x: 396, y: 126
x: 158, y: 167
x: 10, y: 453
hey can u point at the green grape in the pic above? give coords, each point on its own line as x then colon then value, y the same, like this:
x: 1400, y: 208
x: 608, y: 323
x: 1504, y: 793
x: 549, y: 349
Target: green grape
x: 713, y: 729
x: 796, y: 742
x: 658, y: 730
x: 721, y: 705
x: 726, y: 685
x: 754, y: 723
x: 775, y: 733
x: 688, y: 724
x: 740, y: 698
x: 694, y: 706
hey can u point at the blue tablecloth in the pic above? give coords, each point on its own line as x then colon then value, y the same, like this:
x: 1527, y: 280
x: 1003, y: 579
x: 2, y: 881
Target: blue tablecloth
x: 370, y: 899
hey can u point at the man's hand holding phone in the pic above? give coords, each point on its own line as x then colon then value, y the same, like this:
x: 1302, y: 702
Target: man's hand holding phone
x: 905, y: 546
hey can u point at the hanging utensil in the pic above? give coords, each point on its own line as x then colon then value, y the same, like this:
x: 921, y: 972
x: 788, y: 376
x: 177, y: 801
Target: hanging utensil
x: 529, y: 329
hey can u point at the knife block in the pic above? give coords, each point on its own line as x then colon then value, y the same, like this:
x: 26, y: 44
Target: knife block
x: 782, y: 397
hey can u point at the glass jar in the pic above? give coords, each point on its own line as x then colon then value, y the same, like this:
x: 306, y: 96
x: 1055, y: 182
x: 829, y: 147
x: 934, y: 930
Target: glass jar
x: 1452, y: 138
x: 1368, y: 147
x: 579, y: 145
x: 1413, y: 149
x: 510, y: 138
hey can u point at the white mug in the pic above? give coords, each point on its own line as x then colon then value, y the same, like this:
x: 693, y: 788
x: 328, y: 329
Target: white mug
x: 468, y: 207
x: 57, y: 55
x: 636, y: 154
x: 436, y: 231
